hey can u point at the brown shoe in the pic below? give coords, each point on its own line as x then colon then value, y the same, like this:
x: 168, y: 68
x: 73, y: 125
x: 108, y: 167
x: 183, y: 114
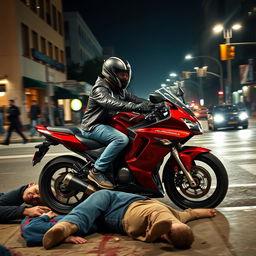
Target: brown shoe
x: 100, y: 179
x: 58, y: 233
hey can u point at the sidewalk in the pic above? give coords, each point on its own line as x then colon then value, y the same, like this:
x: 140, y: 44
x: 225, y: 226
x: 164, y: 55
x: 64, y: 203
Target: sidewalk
x: 230, y: 233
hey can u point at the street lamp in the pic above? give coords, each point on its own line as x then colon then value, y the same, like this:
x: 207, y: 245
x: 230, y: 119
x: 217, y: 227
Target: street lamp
x: 189, y: 57
x: 227, y: 34
x: 172, y: 74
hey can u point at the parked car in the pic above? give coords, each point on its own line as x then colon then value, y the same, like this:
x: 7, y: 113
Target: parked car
x: 201, y: 112
x: 224, y: 116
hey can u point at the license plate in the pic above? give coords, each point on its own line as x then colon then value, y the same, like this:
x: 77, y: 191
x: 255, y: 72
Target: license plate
x: 232, y: 122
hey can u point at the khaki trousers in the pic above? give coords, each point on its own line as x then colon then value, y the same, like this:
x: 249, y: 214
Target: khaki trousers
x: 136, y: 221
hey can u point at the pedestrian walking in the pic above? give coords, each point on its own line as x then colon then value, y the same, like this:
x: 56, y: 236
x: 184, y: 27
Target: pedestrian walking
x: 2, y: 120
x: 13, y: 114
x: 61, y: 115
x: 34, y: 114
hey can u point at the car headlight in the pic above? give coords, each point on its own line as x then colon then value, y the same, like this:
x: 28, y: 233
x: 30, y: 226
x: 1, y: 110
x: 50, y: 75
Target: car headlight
x: 243, y: 116
x: 218, y: 118
x: 195, y: 126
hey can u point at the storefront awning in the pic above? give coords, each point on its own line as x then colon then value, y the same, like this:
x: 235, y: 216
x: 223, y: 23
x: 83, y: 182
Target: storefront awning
x: 33, y: 83
x: 63, y: 93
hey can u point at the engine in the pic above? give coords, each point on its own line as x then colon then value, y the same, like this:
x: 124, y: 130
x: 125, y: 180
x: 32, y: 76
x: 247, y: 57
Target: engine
x: 124, y: 176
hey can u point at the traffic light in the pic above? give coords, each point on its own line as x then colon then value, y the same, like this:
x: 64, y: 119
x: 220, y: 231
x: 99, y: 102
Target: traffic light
x: 185, y: 74
x: 220, y: 92
x: 227, y: 52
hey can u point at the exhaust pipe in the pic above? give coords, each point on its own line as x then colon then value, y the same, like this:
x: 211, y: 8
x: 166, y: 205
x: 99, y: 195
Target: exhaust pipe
x: 75, y: 183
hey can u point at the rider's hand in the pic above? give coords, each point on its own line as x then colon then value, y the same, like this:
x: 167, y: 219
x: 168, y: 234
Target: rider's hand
x: 35, y: 211
x: 145, y: 107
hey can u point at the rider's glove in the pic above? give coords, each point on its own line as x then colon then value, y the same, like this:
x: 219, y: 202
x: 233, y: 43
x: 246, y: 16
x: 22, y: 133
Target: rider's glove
x: 145, y: 107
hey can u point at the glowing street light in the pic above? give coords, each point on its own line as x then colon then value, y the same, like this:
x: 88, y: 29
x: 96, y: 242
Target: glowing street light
x: 172, y: 74
x: 218, y: 28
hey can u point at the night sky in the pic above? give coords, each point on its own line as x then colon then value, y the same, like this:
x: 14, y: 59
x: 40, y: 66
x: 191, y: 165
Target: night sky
x: 154, y: 36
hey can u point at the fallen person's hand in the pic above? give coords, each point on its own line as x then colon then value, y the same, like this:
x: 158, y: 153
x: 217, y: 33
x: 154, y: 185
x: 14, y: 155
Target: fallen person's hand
x: 51, y: 214
x: 35, y: 211
x: 75, y: 240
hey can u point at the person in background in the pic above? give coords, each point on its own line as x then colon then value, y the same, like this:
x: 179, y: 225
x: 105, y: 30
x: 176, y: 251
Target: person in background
x: 34, y: 114
x: 117, y: 212
x: 13, y: 114
x: 2, y: 120
x: 61, y: 115
x: 11, y: 203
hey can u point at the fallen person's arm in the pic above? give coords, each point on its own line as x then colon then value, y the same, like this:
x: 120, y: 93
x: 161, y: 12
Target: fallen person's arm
x: 33, y: 229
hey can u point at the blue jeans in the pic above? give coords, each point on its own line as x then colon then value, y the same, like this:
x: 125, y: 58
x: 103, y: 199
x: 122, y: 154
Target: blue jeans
x: 1, y: 123
x: 103, y: 209
x: 33, y: 129
x: 115, y: 141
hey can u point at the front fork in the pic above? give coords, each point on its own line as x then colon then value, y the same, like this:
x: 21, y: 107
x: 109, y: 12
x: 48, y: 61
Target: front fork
x: 188, y: 175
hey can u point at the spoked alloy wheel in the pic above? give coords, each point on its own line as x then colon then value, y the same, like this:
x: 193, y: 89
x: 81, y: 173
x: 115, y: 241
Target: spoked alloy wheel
x: 56, y: 194
x: 211, y: 183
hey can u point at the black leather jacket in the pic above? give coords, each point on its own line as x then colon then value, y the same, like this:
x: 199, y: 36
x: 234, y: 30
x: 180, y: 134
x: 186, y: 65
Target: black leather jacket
x: 104, y: 103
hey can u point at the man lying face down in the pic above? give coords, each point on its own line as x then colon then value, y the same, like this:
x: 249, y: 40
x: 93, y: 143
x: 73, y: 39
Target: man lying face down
x: 117, y: 212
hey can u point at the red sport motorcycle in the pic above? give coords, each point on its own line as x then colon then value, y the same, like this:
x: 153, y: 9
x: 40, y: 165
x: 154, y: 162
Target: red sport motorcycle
x: 192, y: 176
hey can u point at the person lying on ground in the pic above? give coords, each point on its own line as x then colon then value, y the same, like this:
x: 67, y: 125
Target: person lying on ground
x: 116, y: 212
x: 11, y: 203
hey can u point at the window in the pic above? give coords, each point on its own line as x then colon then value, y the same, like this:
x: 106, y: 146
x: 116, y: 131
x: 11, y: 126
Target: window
x: 33, y: 5
x: 43, y: 45
x: 41, y: 8
x: 50, y: 49
x: 68, y: 52
x: 61, y: 57
x: 54, y: 17
x: 60, y: 23
x: 66, y: 28
x: 48, y: 12
x: 34, y: 40
x: 56, y: 53
x: 25, y: 40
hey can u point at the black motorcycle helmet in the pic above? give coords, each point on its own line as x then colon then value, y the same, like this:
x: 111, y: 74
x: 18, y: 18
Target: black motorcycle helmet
x: 112, y: 66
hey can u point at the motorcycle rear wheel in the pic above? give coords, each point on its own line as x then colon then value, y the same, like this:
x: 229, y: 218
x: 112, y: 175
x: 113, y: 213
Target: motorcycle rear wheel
x: 52, y: 189
x: 211, y: 178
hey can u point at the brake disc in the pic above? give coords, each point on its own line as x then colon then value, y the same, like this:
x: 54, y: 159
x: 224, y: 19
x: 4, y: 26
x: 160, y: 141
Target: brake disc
x: 202, y: 179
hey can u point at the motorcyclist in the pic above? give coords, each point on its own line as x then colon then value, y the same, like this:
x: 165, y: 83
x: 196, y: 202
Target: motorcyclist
x: 109, y: 96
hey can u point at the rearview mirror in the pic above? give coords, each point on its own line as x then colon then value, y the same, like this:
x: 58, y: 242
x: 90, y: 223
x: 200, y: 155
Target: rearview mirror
x: 155, y: 98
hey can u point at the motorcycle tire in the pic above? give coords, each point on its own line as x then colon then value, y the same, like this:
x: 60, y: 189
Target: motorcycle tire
x: 50, y: 185
x: 177, y: 187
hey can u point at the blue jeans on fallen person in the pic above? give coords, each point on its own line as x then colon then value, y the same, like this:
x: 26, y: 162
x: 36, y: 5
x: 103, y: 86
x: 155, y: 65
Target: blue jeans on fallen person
x: 104, y: 209
x: 115, y: 140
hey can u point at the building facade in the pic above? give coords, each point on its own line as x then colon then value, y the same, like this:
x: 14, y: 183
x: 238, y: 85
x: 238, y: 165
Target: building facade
x: 32, y: 51
x: 81, y: 44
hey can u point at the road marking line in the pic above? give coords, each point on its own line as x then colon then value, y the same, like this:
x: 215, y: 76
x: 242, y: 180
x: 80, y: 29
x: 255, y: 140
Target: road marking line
x: 30, y: 156
x: 236, y: 208
x: 242, y: 185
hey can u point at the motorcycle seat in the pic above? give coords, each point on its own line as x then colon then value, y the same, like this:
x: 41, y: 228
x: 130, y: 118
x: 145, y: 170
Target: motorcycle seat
x: 92, y: 144
x: 64, y: 129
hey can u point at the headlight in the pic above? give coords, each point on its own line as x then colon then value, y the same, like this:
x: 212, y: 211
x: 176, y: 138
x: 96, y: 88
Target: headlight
x: 243, y: 116
x: 195, y: 126
x: 218, y: 118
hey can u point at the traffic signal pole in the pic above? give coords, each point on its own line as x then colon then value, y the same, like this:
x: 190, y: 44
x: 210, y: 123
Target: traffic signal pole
x: 228, y: 92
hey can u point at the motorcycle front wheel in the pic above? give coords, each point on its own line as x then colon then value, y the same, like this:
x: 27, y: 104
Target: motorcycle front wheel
x: 52, y: 190
x: 211, y: 180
